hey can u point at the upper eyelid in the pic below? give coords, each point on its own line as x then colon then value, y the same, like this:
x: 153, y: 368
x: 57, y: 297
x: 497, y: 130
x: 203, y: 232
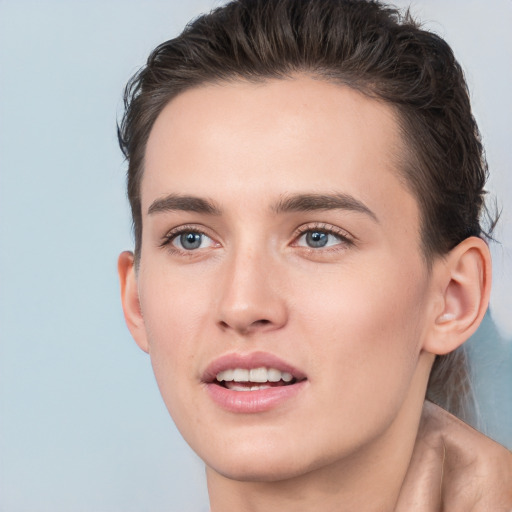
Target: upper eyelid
x: 171, y: 234
x: 192, y: 228
x: 328, y: 228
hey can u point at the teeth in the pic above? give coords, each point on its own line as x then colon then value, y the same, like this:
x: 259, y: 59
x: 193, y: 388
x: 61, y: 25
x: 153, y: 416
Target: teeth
x: 253, y: 375
x: 287, y: 377
x: 258, y: 375
x: 255, y: 388
x: 239, y: 388
x: 235, y: 387
x: 240, y: 375
x: 273, y: 375
x: 227, y: 375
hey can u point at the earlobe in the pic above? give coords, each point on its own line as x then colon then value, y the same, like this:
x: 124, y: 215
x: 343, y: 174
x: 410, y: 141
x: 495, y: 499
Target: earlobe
x: 130, y: 299
x: 464, y: 283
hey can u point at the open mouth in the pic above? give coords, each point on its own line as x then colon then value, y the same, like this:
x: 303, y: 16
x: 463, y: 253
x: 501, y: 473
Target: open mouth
x: 254, y: 379
x: 251, y: 383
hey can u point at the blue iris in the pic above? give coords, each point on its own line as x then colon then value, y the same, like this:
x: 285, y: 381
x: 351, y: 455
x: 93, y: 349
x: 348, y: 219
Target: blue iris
x: 191, y: 241
x: 317, y: 238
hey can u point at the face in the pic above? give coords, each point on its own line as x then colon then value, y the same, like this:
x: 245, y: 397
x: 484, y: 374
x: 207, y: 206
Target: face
x: 282, y: 288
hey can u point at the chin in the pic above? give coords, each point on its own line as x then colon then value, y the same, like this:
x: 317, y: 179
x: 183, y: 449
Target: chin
x: 252, y: 455
x: 269, y: 458
x: 269, y: 470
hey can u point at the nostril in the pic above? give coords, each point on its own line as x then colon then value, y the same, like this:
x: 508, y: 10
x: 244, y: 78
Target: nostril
x: 260, y: 322
x: 244, y: 328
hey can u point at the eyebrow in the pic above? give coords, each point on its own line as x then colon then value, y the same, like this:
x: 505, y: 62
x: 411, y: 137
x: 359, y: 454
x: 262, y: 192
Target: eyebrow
x: 312, y: 202
x: 177, y: 202
x: 289, y: 203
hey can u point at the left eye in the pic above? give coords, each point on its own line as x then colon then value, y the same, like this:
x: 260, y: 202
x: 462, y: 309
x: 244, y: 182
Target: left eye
x: 191, y: 240
x: 318, y: 239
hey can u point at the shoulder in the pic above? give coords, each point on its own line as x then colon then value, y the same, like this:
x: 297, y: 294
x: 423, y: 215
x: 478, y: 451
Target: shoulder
x: 454, y: 467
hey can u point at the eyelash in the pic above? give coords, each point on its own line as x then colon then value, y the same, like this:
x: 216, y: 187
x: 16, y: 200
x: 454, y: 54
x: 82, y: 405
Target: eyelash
x: 346, y: 240
x: 169, y: 238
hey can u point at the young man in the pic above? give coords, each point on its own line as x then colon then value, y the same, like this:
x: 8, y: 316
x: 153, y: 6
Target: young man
x: 306, y: 181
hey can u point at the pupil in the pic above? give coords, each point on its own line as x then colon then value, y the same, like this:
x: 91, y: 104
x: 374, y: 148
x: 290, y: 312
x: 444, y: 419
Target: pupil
x: 316, y: 239
x: 190, y: 240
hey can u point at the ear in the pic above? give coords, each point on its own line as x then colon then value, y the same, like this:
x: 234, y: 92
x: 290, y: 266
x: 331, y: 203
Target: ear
x: 462, y: 283
x: 130, y: 299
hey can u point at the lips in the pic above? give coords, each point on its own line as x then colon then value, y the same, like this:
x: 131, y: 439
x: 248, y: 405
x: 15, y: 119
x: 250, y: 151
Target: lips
x: 249, y: 383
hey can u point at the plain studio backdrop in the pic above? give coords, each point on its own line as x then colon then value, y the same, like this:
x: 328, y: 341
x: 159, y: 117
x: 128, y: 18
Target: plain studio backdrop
x: 82, y: 425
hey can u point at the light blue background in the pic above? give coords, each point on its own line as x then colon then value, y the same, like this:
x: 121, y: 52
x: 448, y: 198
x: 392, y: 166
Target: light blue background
x: 82, y: 425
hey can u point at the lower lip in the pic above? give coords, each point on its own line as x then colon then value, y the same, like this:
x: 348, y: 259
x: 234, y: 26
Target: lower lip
x: 247, y: 402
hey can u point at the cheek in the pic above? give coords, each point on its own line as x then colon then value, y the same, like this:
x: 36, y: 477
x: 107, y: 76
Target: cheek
x: 176, y: 317
x: 365, y: 328
x: 173, y: 306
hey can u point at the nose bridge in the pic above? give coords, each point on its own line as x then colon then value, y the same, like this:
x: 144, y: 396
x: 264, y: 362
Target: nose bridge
x: 250, y: 298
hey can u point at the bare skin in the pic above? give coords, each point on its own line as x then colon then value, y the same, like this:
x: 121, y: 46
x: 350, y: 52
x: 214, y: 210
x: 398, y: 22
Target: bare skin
x: 341, y: 293
x: 455, y: 468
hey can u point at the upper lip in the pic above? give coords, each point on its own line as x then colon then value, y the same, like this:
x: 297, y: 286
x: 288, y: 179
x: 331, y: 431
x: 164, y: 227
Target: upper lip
x: 248, y: 361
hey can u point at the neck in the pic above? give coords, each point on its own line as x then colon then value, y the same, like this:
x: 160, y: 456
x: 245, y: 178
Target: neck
x: 369, y: 479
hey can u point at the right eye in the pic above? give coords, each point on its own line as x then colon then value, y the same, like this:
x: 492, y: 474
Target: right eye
x: 191, y: 240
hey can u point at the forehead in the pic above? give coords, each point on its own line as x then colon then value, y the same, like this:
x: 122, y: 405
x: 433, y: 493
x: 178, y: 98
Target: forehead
x: 257, y: 141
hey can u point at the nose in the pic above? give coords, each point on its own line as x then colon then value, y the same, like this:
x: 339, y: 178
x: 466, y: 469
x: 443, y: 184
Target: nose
x: 251, y: 299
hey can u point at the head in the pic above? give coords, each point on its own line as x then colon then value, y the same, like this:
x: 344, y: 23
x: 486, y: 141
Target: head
x: 379, y: 59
